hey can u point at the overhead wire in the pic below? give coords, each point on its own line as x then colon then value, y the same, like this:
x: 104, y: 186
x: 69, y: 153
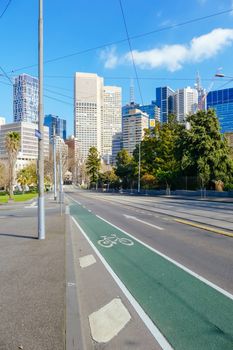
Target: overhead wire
x: 5, y: 9
x: 131, y: 51
x: 120, y: 41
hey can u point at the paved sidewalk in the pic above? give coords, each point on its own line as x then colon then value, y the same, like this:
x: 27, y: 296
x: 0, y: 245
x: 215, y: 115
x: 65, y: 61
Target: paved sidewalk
x: 32, y: 282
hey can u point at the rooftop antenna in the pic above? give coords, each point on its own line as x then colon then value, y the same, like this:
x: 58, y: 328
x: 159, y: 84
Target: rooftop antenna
x: 132, y: 99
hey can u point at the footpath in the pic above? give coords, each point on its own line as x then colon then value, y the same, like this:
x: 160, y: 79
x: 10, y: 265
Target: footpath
x: 32, y: 280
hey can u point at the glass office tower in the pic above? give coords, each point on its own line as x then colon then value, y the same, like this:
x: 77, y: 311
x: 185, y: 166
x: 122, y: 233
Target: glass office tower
x: 222, y: 102
x: 165, y: 101
x: 60, y: 126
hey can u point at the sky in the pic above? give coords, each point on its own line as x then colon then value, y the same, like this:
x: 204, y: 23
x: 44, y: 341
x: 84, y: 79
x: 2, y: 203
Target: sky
x: 90, y: 36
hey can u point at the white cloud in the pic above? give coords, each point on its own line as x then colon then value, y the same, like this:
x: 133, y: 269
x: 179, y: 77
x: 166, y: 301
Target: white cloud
x: 173, y: 57
x: 109, y: 57
x: 169, y: 56
x: 210, y: 44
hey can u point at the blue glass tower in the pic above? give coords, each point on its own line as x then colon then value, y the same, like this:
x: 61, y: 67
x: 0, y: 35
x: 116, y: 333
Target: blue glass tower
x: 165, y: 101
x: 60, y: 125
x: 222, y: 102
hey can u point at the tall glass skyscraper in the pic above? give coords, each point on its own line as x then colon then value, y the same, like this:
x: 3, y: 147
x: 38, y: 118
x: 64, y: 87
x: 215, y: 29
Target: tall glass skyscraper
x: 25, y: 99
x: 60, y: 126
x: 222, y: 102
x: 165, y: 101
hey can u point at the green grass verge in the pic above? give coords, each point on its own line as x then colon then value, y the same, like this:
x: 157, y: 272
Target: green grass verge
x: 18, y: 197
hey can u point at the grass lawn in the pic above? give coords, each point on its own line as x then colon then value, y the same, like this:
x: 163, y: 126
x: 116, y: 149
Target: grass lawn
x: 18, y: 197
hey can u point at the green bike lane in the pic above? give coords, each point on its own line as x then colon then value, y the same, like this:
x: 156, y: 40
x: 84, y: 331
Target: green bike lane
x: 189, y: 313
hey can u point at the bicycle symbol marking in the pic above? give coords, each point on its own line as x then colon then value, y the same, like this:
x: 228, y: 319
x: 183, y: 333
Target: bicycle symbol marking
x: 109, y: 241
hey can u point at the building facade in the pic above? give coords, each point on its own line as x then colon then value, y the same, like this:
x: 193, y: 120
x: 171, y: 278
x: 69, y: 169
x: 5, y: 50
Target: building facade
x: 222, y: 102
x: 52, y: 121
x: 111, y: 119
x: 2, y: 121
x: 28, y: 151
x: 117, y: 145
x: 88, y: 111
x: 25, y: 99
x: 165, y: 101
x: 97, y: 113
x: 134, y: 124
x: 185, y: 103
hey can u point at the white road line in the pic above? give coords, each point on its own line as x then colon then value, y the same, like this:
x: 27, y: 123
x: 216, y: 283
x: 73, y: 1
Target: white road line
x: 192, y: 273
x: 30, y: 207
x: 143, y: 222
x: 150, y: 325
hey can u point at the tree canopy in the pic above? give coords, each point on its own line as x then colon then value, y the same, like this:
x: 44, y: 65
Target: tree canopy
x: 93, y: 164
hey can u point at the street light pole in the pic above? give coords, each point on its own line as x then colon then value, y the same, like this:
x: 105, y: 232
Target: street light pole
x: 61, y: 178
x: 54, y: 163
x: 41, y: 211
x: 139, y: 168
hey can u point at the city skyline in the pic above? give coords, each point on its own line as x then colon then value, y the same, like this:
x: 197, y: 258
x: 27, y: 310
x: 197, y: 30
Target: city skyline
x: 112, y: 62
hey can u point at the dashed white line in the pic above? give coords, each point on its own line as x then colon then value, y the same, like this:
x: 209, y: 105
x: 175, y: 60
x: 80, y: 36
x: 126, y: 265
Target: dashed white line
x: 143, y: 222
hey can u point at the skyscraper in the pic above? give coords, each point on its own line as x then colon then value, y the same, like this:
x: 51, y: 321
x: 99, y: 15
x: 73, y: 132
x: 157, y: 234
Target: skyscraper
x: 134, y: 124
x: 59, y: 123
x: 112, y: 119
x: 97, y: 113
x: 25, y: 99
x: 165, y: 101
x: 185, y: 103
x: 88, y: 111
x: 222, y: 102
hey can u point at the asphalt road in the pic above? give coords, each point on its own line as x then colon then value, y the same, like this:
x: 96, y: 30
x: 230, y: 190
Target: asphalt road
x: 191, y: 314
x: 206, y: 253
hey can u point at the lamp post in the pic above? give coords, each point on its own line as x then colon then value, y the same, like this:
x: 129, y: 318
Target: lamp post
x: 41, y: 210
x: 54, y: 163
x: 221, y: 75
x: 139, y: 167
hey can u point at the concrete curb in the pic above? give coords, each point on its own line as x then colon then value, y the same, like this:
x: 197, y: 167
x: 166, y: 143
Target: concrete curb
x: 74, y: 339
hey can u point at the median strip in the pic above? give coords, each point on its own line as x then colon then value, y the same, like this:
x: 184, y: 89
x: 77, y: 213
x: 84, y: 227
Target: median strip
x: 204, y: 227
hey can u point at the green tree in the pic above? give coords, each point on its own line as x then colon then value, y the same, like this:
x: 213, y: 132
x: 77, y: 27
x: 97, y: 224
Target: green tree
x: 148, y: 181
x: 23, y: 178
x: 160, y: 153
x: 124, y: 167
x: 3, y: 176
x: 110, y: 178
x: 12, y: 144
x: 205, y: 151
x: 27, y: 176
x: 93, y: 165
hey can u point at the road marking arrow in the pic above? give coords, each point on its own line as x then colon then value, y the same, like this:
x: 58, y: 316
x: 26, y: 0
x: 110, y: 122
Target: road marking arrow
x: 144, y: 222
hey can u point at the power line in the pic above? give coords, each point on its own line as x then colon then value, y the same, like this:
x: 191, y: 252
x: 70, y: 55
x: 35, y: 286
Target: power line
x: 6, y: 75
x: 7, y: 5
x: 120, y: 41
x: 131, y: 50
x: 58, y: 100
x: 58, y: 93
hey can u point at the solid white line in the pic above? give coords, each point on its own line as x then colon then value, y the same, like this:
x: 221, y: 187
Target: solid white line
x: 144, y: 222
x: 219, y: 289
x: 150, y: 325
x: 192, y: 273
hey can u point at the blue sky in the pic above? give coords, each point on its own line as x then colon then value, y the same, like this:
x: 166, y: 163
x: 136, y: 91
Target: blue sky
x: 170, y: 57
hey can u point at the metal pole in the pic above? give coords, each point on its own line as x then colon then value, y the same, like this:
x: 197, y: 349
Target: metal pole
x: 139, y: 168
x: 41, y: 210
x: 61, y: 182
x: 54, y: 163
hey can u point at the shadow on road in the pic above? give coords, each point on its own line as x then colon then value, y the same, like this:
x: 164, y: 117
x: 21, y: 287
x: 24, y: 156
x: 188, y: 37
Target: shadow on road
x: 17, y: 236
